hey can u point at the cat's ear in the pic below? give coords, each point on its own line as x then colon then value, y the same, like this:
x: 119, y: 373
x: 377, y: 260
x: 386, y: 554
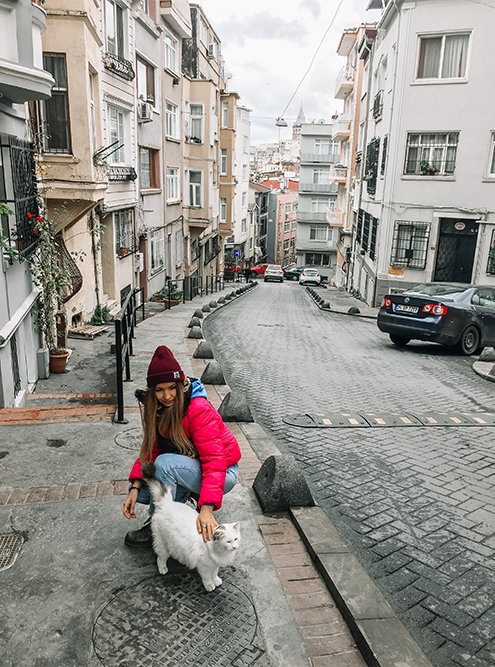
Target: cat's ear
x: 235, y: 526
x: 219, y: 532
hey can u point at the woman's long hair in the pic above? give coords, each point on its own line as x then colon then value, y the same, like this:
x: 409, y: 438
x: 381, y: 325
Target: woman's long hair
x: 169, y: 424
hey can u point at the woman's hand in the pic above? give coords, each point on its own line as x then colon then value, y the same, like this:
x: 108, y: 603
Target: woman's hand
x: 205, y: 523
x: 130, y: 504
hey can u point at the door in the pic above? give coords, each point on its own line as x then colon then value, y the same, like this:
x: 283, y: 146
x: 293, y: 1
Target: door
x: 456, y: 248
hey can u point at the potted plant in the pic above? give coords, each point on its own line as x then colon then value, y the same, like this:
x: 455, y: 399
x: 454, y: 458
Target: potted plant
x: 427, y: 169
x: 169, y: 295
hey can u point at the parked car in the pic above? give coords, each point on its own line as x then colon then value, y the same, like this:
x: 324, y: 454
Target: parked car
x: 273, y: 272
x: 293, y: 274
x: 309, y: 276
x: 454, y: 314
x: 258, y: 270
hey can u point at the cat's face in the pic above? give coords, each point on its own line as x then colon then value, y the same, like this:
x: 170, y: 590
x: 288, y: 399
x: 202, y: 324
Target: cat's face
x: 228, y: 535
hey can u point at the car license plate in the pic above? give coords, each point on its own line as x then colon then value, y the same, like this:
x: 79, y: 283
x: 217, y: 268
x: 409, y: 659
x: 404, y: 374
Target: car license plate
x: 402, y: 308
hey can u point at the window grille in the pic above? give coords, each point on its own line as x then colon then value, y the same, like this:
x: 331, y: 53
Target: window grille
x: 431, y: 153
x: 374, y: 230
x: 359, y: 226
x: 372, y: 155
x: 410, y: 244
x: 490, y: 267
x: 384, y: 154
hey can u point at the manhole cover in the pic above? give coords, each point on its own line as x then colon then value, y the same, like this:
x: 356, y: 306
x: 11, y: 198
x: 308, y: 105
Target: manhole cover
x: 172, y: 620
x: 10, y: 547
x: 130, y: 439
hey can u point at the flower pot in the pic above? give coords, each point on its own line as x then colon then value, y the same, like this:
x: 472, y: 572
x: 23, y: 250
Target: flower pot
x: 58, y: 362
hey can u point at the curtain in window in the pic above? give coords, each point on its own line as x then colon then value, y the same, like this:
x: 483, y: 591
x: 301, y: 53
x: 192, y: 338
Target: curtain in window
x: 429, y: 58
x: 454, y: 57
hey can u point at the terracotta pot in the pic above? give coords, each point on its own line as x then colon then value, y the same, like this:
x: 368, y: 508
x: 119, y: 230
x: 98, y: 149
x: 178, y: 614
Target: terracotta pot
x: 58, y: 362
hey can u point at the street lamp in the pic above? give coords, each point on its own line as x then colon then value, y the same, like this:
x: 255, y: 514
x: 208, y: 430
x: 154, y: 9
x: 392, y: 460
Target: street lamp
x: 280, y: 122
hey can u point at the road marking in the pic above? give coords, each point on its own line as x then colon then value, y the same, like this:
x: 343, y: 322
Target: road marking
x: 327, y: 421
x: 455, y: 420
x: 354, y: 422
x: 431, y: 420
x: 406, y: 420
x: 479, y: 420
x: 380, y: 421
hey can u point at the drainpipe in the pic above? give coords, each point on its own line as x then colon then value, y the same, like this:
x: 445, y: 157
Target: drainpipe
x: 94, y: 250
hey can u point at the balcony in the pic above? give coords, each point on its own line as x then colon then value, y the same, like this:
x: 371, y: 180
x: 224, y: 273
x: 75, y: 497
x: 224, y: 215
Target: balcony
x: 344, y: 83
x: 338, y: 173
x: 329, y: 188
x: 119, y: 66
x: 333, y: 217
x: 178, y: 14
x: 121, y: 174
x: 318, y: 158
x: 341, y: 128
x: 307, y: 216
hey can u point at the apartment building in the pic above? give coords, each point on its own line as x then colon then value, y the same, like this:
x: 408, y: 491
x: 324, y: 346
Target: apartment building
x: 244, y: 235
x: 316, y: 240
x: 22, y: 79
x: 285, y: 227
x: 425, y: 211
x: 228, y: 184
x: 258, y: 201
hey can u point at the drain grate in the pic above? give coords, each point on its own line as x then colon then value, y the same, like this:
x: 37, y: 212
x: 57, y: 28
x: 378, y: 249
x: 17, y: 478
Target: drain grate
x: 10, y: 547
x: 130, y: 439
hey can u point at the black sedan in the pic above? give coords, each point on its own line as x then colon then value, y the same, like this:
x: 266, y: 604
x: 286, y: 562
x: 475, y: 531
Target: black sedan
x: 452, y: 314
x: 293, y: 274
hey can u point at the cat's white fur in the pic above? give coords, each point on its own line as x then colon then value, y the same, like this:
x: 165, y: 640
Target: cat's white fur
x: 175, y: 534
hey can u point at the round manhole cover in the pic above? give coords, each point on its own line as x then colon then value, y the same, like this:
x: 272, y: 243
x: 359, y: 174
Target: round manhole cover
x: 172, y: 620
x: 132, y: 438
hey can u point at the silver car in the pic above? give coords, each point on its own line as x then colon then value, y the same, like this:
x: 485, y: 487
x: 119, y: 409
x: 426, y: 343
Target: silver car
x: 309, y: 276
x: 274, y: 272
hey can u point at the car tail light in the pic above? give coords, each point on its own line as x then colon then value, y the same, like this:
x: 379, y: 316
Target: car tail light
x: 386, y: 303
x: 435, y: 308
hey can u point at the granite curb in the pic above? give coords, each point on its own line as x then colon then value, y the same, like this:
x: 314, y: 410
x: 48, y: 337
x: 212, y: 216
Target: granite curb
x: 355, y: 308
x: 485, y: 369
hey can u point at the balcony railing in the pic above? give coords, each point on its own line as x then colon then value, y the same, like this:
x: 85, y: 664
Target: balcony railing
x: 338, y: 172
x: 331, y: 188
x: 344, y: 83
x: 121, y: 174
x: 307, y: 216
x: 341, y: 128
x: 119, y: 66
x: 325, y: 158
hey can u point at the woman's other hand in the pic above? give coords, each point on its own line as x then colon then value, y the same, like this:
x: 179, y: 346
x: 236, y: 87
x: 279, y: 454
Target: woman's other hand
x: 205, y: 523
x: 130, y: 504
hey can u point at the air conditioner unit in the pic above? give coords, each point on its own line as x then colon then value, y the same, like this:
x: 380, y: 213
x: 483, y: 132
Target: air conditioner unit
x: 139, y: 262
x: 145, y: 111
x: 211, y: 50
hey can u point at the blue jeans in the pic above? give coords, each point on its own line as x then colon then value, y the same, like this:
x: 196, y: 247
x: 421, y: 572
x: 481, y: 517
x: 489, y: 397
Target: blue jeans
x: 182, y: 475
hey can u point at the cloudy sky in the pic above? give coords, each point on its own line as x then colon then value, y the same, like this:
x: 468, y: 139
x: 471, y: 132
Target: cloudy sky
x: 268, y: 46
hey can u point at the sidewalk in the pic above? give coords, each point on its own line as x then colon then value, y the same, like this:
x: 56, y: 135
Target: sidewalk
x: 77, y: 596
x: 335, y: 300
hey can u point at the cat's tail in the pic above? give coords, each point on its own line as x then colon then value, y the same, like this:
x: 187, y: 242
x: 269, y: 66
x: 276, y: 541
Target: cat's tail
x: 159, y: 492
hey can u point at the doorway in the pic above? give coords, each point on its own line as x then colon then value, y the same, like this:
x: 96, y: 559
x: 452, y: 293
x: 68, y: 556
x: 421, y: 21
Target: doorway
x: 456, y: 250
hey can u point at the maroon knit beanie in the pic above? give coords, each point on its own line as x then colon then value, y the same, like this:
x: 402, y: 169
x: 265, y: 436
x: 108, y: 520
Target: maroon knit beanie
x: 164, y: 367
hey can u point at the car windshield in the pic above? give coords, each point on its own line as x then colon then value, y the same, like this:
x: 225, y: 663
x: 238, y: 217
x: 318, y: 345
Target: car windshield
x: 275, y: 267
x: 436, y: 289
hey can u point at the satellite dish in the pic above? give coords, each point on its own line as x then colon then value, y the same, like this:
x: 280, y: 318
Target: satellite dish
x: 322, y: 121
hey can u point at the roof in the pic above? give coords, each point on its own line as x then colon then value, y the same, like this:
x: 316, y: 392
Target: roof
x: 258, y: 187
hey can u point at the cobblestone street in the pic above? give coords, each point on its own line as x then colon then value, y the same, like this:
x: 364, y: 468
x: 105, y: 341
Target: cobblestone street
x: 415, y: 505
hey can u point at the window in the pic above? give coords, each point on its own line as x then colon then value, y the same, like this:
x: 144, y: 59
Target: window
x: 323, y: 147
x: 196, y: 111
x: 203, y: 31
x: 124, y: 231
x: 145, y: 81
x: 148, y: 168
x: 92, y: 110
x: 321, y: 175
x: 243, y: 225
x: 317, y: 259
x: 318, y: 233
x: 195, y: 183
x: 171, y: 120
x: 319, y: 205
x: 384, y: 155
x: 223, y: 161
x: 431, y: 154
x: 114, y: 27
x: 171, y: 56
x: 410, y: 244
x: 116, y: 126
x: 173, y: 184
x: 157, y: 249
x: 287, y: 225
x: 372, y: 154
x: 443, y: 57
x: 244, y: 199
x: 374, y: 231
x: 491, y: 171
x: 294, y: 223
x: 484, y: 297
x: 490, y: 267
x: 225, y: 114
x: 286, y: 245
x: 56, y: 109
x: 223, y: 209
x: 288, y: 207
x: 294, y: 207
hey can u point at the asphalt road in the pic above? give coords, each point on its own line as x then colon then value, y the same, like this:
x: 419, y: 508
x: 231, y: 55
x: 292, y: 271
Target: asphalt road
x: 415, y: 504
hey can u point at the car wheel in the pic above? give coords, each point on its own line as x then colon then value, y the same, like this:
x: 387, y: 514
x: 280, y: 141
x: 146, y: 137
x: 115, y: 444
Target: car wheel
x: 469, y: 341
x: 254, y: 274
x: 399, y: 340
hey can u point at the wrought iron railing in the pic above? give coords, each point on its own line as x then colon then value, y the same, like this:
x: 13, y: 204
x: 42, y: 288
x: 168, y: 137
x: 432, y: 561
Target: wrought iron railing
x: 66, y: 262
x: 121, y: 173
x: 378, y: 105
x: 119, y: 66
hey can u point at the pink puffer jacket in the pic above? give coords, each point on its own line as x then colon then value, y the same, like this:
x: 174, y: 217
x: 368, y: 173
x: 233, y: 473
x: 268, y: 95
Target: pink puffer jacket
x: 216, y: 446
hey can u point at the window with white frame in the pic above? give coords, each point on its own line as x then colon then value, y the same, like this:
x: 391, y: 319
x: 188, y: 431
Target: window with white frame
x: 116, y: 122
x: 223, y: 161
x: 124, y: 231
x: 318, y: 233
x: 157, y: 249
x: 286, y: 245
x: 323, y: 146
x: 172, y: 120
x: 443, y: 56
x: 491, y: 165
x: 319, y: 205
x: 294, y: 223
x: 203, y: 31
x: 288, y: 207
x: 114, y: 28
x: 431, y: 153
x: 294, y: 207
x: 244, y: 199
x: 195, y: 181
x: 196, y: 124
x: 321, y: 176
x: 173, y: 192
x: 225, y: 114
x: 171, y: 54
x: 145, y: 81
x: 223, y: 209
x: 317, y: 259
x: 243, y: 225
x: 287, y: 225
x: 149, y: 176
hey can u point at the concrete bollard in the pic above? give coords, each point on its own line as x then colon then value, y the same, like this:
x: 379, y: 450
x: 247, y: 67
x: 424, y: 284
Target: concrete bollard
x: 213, y: 304
x: 234, y: 408
x: 206, y: 308
x: 195, y: 322
x: 488, y: 354
x: 280, y: 484
x: 353, y: 310
x: 227, y: 297
x: 212, y: 374
x: 195, y: 333
x: 198, y: 313
x: 203, y: 351
x: 221, y: 300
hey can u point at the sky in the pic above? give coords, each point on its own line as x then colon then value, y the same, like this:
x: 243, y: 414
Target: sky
x: 268, y: 46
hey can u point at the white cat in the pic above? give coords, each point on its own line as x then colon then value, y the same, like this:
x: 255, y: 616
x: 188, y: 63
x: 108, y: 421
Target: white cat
x: 174, y: 532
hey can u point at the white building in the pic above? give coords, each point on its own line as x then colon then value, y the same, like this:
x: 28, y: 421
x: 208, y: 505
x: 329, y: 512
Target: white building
x: 244, y: 231
x: 424, y: 207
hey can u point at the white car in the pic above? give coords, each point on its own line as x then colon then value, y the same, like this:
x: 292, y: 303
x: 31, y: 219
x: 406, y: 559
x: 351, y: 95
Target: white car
x: 273, y: 272
x: 309, y: 276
